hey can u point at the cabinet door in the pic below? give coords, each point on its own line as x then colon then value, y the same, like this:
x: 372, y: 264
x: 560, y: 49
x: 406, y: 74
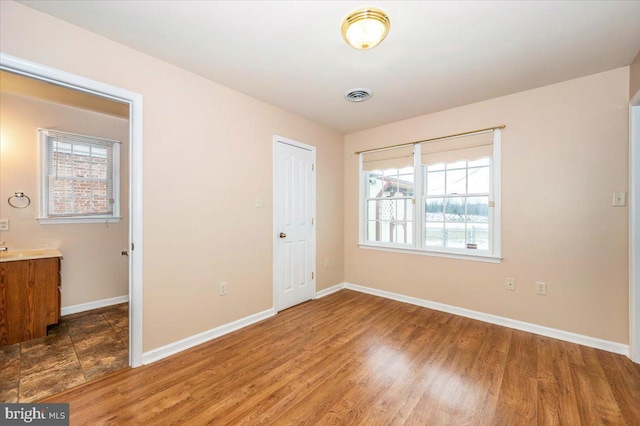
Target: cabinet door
x: 29, y: 298
x: 12, y: 313
x: 45, y: 274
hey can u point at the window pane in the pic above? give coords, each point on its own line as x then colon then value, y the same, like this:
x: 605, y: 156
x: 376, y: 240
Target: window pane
x: 62, y: 164
x: 374, y: 184
x: 456, y: 181
x: 379, y: 231
x: 405, y: 185
x: 402, y: 233
x: 99, y: 168
x: 435, y: 167
x: 478, y: 233
x: 385, y: 209
x: 81, y: 166
x: 478, y: 209
x: 435, y: 183
x: 455, y: 235
x: 434, y: 210
x: 82, y: 188
x: 457, y: 165
x: 83, y: 205
x: 434, y: 235
x: 454, y: 210
x: 481, y: 162
x: 479, y: 180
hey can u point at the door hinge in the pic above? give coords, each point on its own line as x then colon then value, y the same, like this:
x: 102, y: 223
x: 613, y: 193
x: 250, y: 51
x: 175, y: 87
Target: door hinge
x: 312, y: 275
x: 312, y: 221
x: 313, y: 167
x: 132, y: 246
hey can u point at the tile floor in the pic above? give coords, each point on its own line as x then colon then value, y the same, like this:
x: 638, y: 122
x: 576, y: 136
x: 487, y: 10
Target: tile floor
x: 80, y: 348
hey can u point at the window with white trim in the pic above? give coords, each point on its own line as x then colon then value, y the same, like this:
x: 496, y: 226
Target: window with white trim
x: 438, y: 197
x: 79, y: 178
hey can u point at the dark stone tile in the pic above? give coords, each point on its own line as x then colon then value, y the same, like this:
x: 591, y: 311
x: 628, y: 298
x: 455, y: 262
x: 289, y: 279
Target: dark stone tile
x: 56, y: 329
x: 50, y: 381
x: 101, y: 354
x: 9, y: 394
x: 49, y: 355
x: 9, y: 372
x: 81, y: 347
x: 87, y: 325
x: 118, y: 317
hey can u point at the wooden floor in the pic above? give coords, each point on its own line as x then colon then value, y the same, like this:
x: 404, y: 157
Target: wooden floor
x: 351, y: 358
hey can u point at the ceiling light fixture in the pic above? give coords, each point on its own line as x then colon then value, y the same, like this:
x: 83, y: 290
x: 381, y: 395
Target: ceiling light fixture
x: 365, y: 28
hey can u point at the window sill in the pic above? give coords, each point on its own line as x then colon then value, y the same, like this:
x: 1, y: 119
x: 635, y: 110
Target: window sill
x: 488, y: 258
x: 77, y: 220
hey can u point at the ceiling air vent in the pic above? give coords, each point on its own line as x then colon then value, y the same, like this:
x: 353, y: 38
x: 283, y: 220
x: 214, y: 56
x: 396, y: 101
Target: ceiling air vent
x: 357, y: 95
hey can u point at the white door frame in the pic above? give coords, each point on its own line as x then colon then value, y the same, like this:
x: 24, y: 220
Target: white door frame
x: 276, y: 140
x: 76, y: 82
x: 634, y: 229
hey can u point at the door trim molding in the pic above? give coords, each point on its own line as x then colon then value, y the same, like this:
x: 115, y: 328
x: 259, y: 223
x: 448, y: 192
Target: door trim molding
x: 634, y: 228
x: 276, y: 140
x: 83, y: 84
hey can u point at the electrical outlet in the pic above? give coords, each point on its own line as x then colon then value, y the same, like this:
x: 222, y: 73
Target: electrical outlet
x: 4, y: 224
x: 326, y: 264
x: 541, y: 288
x: 510, y: 284
x: 222, y: 290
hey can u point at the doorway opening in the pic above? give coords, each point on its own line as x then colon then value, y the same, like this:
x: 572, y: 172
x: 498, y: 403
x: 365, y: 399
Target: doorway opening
x: 112, y: 309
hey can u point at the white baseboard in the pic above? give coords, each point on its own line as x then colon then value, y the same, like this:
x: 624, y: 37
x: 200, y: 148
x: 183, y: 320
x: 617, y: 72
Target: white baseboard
x: 68, y: 310
x: 328, y: 291
x: 181, y: 345
x: 605, y: 345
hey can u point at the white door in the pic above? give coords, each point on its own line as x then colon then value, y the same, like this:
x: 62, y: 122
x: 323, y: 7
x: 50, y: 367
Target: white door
x: 294, y: 233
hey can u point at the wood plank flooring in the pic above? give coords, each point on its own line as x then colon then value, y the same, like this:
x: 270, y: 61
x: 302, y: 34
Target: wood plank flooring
x: 356, y: 359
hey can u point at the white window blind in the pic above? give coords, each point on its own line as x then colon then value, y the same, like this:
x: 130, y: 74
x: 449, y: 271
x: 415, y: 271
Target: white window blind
x: 471, y: 147
x: 440, y: 196
x: 80, y: 176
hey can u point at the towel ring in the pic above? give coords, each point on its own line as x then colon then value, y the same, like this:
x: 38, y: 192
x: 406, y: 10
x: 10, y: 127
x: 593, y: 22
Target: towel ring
x: 19, y: 195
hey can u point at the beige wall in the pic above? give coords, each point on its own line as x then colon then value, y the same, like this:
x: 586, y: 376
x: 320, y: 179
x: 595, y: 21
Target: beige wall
x: 564, y: 152
x: 92, y: 268
x: 634, y: 79
x: 207, y: 155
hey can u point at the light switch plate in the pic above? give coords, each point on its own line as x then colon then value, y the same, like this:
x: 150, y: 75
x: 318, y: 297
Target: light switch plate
x: 619, y: 199
x: 4, y: 224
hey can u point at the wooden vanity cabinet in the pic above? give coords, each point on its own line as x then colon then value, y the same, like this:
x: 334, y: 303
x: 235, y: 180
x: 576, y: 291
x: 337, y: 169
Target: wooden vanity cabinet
x: 29, y: 298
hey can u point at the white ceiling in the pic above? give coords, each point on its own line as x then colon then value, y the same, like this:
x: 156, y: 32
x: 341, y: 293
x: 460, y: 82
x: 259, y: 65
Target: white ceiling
x: 438, y: 55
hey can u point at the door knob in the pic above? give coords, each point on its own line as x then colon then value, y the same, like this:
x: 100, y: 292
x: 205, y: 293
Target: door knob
x: 283, y: 235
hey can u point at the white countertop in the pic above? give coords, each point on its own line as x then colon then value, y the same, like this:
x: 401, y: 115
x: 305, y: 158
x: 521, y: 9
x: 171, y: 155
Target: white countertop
x: 13, y: 255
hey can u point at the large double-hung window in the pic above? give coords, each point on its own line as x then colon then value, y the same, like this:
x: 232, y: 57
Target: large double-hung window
x: 438, y: 197
x: 79, y: 178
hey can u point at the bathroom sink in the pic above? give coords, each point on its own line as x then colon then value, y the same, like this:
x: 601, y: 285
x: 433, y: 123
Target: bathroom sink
x: 13, y: 255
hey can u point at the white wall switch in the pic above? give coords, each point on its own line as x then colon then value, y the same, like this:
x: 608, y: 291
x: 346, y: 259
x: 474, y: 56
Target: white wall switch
x: 619, y: 199
x: 258, y: 202
x: 510, y: 284
x: 4, y: 224
x: 541, y: 288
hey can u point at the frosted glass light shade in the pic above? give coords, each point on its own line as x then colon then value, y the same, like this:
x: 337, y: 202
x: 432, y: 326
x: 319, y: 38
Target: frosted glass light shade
x: 365, y: 28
